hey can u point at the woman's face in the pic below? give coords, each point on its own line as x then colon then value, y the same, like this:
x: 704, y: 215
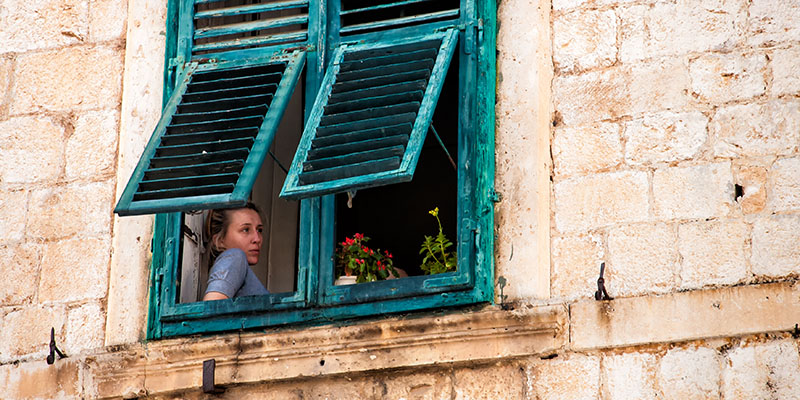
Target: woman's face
x: 244, y: 233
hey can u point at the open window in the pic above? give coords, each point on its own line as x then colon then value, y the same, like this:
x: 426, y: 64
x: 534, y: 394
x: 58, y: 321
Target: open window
x: 336, y: 117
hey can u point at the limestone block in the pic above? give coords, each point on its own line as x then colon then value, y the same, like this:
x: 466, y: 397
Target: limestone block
x: 576, y: 266
x: 434, y: 385
x: 689, y: 374
x: 712, y: 253
x: 107, y: 19
x: 81, y: 78
x: 677, y: 28
x: 522, y: 152
x: 776, y: 246
x: 85, y: 328
x: 600, y: 200
x: 642, y: 259
x: 664, y: 137
x: 575, y: 376
x: 26, y: 331
x: 719, y: 78
x: 771, y: 22
x: 768, y: 129
x: 92, y: 147
x: 727, y: 311
x: 491, y: 382
x: 38, y: 380
x: 75, y: 269
x: 19, y: 267
x: 584, y: 40
x: 753, y: 180
x: 32, y: 148
x: 13, y: 209
x: 566, y: 4
x: 37, y: 24
x: 784, y: 185
x: 78, y: 208
x: 630, y: 376
x: 6, y: 71
x: 585, y: 149
x: 785, y: 71
x: 762, y: 371
x: 701, y: 191
x: 627, y: 90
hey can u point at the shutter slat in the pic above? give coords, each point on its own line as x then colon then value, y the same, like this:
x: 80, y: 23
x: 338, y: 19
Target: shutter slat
x: 353, y: 159
x: 357, y: 136
x: 183, y: 192
x: 237, y: 82
x: 199, y: 158
x: 243, y: 27
x: 370, y: 113
x: 389, y: 23
x: 193, y: 148
x: 382, y: 6
x: 379, y: 91
x: 230, y: 93
x: 193, y: 170
x: 356, y: 147
x: 215, y: 125
x: 386, y: 60
x: 358, y: 84
x: 425, y: 64
x: 251, y: 111
x: 250, y: 9
x: 368, y: 102
x: 260, y: 41
x: 236, y: 102
x: 207, y: 136
x: 189, y: 181
x: 350, y: 171
x: 366, y: 124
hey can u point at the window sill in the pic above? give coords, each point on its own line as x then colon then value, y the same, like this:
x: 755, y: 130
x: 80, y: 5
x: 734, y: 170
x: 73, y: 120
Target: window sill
x: 176, y: 364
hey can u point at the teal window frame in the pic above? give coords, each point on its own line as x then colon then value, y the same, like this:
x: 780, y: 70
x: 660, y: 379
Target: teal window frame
x: 317, y: 300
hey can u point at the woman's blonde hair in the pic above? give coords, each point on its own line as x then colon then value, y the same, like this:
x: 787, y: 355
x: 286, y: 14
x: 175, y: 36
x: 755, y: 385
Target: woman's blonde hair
x: 217, y: 223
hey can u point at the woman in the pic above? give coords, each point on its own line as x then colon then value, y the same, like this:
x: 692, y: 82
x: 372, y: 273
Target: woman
x: 235, y: 244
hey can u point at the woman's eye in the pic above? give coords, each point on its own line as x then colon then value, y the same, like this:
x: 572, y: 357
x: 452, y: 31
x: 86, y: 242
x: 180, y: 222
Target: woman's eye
x: 260, y: 230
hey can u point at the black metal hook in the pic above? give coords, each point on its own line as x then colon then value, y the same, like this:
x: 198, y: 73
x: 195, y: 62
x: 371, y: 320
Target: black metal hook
x: 51, y: 358
x: 208, y: 378
x: 601, y: 293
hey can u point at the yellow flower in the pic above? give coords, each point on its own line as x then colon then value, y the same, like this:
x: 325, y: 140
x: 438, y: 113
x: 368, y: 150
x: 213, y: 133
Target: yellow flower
x: 434, y: 212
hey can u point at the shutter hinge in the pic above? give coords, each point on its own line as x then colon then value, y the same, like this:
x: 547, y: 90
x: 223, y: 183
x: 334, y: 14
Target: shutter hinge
x: 176, y: 61
x: 473, y: 32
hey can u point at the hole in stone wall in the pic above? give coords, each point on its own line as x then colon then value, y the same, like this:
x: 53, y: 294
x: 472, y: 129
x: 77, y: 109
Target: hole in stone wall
x: 738, y: 191
x: 321, y: 362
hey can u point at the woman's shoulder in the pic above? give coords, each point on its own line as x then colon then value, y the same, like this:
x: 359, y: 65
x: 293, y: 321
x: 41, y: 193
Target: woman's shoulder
x: 231, y: 258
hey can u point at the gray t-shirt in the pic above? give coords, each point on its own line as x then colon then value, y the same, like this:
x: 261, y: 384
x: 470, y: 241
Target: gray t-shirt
x: 232, y: 276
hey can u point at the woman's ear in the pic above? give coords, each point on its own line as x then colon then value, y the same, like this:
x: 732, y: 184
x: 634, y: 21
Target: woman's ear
x: 216, y: 242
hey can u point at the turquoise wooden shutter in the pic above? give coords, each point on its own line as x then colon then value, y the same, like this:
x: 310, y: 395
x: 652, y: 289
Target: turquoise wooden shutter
x: 371, y: 116
x: 213, y: 136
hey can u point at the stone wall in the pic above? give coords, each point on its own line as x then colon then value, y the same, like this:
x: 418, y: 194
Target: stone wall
x: 61, y: 66
x: 661, y: 137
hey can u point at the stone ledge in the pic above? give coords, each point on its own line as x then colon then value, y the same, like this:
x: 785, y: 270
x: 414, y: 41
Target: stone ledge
x: 176, y: 364
x: 724, y: 312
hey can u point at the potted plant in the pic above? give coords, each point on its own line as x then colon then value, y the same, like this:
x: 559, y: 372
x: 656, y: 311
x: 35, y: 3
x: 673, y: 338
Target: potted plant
x: 437, y: 258
x: 357, y: 263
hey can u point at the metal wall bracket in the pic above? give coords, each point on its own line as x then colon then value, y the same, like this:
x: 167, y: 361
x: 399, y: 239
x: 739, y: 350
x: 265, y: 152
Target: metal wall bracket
x: 209, y: 367
x: 601, y: 293
x: 51, y: 358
